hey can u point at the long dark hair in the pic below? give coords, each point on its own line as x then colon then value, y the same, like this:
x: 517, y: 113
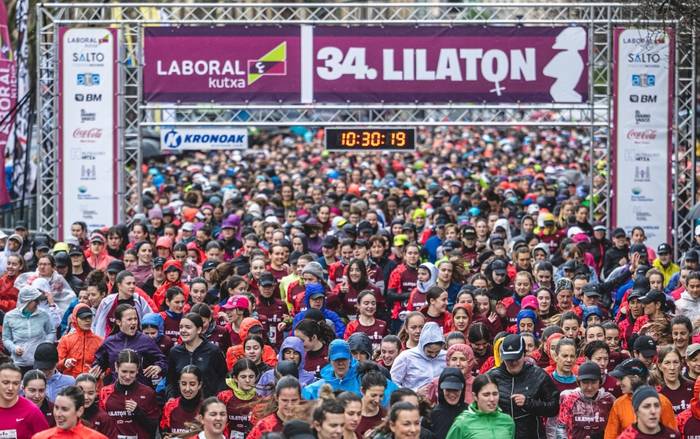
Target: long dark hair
x: 363, y: 283
x: 197, y: 427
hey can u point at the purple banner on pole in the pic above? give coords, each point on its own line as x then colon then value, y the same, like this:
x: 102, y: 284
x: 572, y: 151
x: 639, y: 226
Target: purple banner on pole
x: 399, y: 64
x: 222, y: 64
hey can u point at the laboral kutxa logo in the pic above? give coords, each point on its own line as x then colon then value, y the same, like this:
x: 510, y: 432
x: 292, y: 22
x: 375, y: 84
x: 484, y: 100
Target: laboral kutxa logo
x: 273, y: 63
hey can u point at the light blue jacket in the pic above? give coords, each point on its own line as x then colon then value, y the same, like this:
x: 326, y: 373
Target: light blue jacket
x: 350, y: 383
x: 414, y: 369
x: 26, y: 330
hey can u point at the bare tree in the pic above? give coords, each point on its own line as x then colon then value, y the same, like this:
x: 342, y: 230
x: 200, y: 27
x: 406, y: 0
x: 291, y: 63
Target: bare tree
x: 687, y: 12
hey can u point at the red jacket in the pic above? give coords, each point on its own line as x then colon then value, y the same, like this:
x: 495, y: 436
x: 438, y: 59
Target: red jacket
x: 8, y: 293
x: 159, y: 295
x: 268, y: 424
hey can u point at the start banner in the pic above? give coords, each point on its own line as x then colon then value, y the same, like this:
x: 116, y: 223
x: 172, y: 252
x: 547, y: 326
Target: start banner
x: 366, y: 64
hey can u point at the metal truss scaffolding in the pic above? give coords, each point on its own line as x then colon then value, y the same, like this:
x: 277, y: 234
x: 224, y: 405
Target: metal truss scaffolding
x: 594, y: 117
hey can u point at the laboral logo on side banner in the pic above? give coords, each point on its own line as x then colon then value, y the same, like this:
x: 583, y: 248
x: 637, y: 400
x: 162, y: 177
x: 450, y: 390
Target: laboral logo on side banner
x: 202, y: 139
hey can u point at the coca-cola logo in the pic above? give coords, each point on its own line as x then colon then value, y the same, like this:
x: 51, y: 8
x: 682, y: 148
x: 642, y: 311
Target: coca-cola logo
x: 87, y: 134
x: 635, y: 134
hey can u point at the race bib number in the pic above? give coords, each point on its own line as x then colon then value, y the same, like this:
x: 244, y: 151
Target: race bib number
x: 8, y: 434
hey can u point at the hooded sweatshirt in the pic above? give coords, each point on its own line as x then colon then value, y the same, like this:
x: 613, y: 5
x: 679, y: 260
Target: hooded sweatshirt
x: 418, y: 299
x: 269, y: 356
x: 444, y: 414
x: 267, y: 380
x: 412, y: 368
x: 28, y: 330
x: 79, y: 345
x: 332, y: 316
x: 350, y: 382
x: 688, y: 306
x: 430, y: 392
x: 159, y: 295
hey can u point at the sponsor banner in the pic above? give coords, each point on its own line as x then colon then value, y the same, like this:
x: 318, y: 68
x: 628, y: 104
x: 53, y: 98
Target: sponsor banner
x: 641, y: 160
x: 222, y: 64
x: 202, y: 139
x: 88, y: 128
x: 366, y: 64
x: 8, y: 97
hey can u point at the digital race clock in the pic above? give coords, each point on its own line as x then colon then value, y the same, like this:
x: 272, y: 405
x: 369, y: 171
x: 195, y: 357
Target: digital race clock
x: 371, y: 139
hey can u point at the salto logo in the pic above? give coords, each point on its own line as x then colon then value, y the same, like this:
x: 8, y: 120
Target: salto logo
x: 172, y: 139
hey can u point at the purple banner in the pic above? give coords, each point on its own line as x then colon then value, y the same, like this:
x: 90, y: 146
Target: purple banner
x: 450, y: 64
x: 222, y: 64
x: 8, y: 97
x: 366, y: 64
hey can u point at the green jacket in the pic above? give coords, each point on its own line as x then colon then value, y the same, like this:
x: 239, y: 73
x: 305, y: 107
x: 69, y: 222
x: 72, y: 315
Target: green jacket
x: 473, y: 423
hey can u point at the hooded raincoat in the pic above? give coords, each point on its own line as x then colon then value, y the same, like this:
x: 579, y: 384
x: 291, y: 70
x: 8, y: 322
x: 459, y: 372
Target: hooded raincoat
x: 234, y: 353
x: 350, y: 382
x: 413, y: 368
x: 332, y: 316
x: 79, y: 345
x: 267, y: 381
x: 26, y: 329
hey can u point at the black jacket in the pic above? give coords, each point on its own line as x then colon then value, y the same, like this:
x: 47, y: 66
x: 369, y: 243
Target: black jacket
x: 444, y: 414
x: 541, y: 398
x: 612, y: 258
x: 208, y: 358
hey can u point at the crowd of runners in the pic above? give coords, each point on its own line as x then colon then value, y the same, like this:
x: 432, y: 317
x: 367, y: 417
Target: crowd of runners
x: 461, y: 291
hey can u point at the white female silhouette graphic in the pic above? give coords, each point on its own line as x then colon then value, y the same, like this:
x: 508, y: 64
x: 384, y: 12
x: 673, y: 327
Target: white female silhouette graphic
x: 567, y: 66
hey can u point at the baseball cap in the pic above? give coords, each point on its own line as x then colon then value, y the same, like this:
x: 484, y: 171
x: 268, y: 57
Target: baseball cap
x: 638, y: 248
x: 600, y: 228
x: 208, y: 266
x: 266, y: 279
x: 692, y: 349
x: 469, y: 231
x: 74, y: 250
x: 330, y: 242
x: 116, y: 266
x: 591, y: 290
x: 451, y: 383
x: 84, y: 312
x: 691, y: 255
x: 237, y: 302
x: 512, y: 347
x: 663, y: 249
x: 589, y: 371
x: 339, y: 350
x: 400, y: 240
x: 45, y: 356
x: 619, y: 233
x: 697, y: 230
x: 653, y: 296
x: 188, y: 227
x: 645, y: 345
x: 630, y: 366
x: 97, y: 237
x: 499, y: 267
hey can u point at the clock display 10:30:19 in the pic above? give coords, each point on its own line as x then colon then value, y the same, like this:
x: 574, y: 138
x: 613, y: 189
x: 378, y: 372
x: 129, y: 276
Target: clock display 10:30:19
x: 372, y: 138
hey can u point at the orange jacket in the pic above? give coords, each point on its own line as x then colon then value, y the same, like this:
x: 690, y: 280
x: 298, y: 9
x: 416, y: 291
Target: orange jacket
x: 79, y: 345
x: 78, y: 432
x: 622, y: 416
x: 234, y: 353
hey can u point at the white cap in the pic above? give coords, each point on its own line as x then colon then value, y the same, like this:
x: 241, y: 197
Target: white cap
x: 573, y: 231
x: 697, y: 230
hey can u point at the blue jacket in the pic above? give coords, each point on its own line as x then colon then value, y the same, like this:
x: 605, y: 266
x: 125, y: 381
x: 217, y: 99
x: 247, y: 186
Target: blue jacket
x: 350, y: 383
x: 338, y: 324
